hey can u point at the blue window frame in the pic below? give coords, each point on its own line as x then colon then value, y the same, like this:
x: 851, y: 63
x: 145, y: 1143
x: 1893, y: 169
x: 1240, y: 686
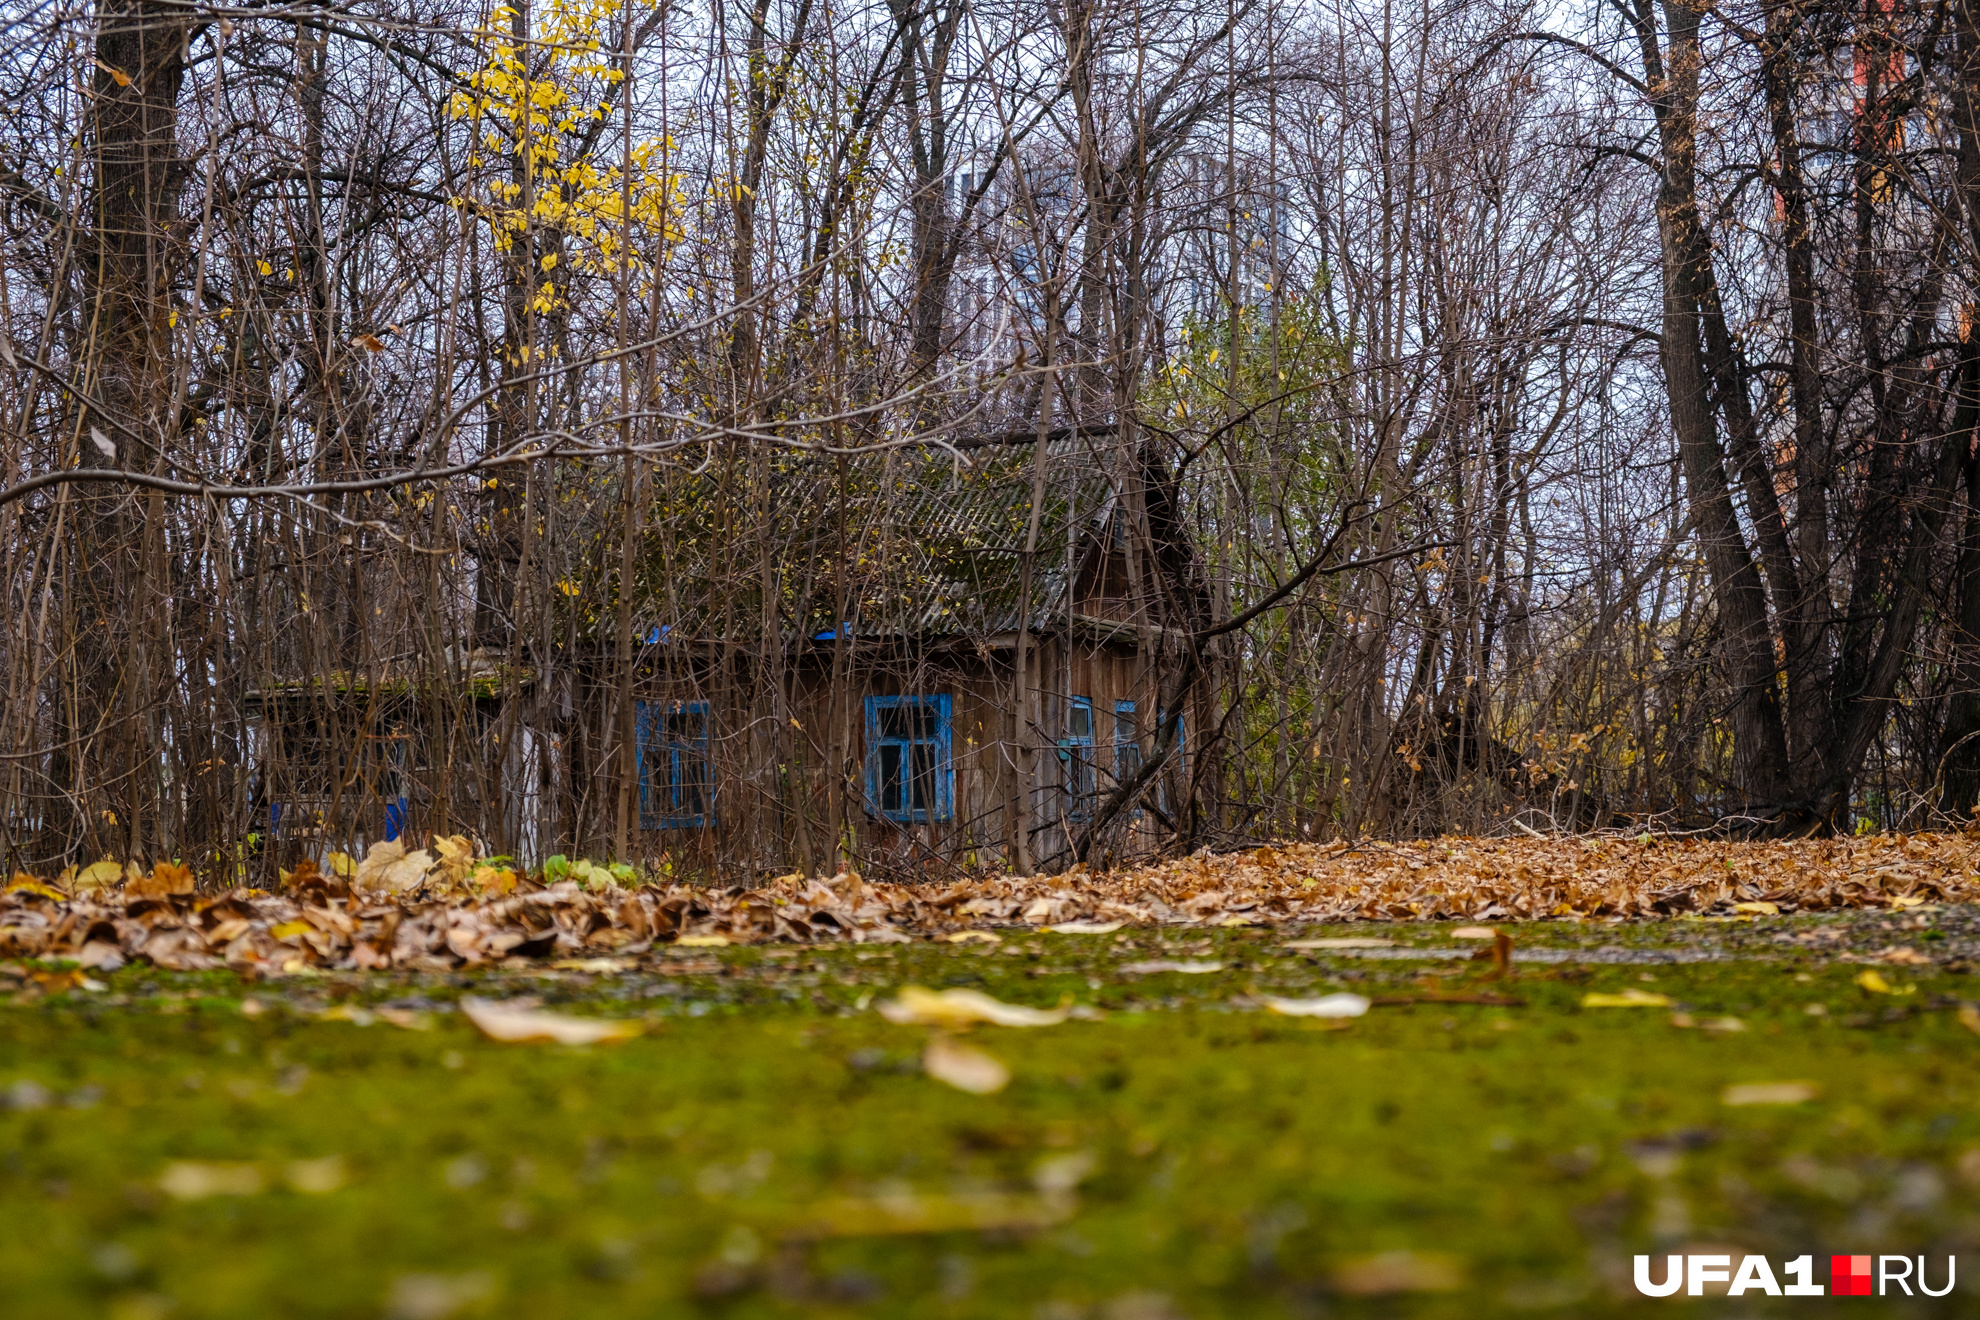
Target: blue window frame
x: 1127, y: 742
x: 1076, y: 758
x: 676, y: 777
x: 909, y: 774
x: 1178, y: 765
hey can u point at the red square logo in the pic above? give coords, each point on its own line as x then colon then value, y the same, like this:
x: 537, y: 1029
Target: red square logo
x: 1849, y: 1276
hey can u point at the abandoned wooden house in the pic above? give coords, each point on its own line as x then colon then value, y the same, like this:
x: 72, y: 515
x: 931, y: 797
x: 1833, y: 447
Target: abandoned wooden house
x: 940, y: 677
x: 900, y: 732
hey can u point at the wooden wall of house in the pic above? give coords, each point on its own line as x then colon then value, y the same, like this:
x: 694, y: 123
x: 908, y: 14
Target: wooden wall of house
x: 810, y: 766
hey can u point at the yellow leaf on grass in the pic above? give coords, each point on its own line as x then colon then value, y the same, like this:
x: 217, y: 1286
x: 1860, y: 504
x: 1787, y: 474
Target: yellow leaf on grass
x: 1086, y: 927
x: 603, y: 966
x: 1874, y: 982
x: 1769, y: 1093
x: 1474, y: 933
x: 355, y: 1014
x: 1969, y: 1017
x: 907, y: 1212
x: 193, y: 1180
x: 917, y: 1006
x: 964, y: 1067
x: 499, y: 1021
x: 1399, y: 1272
x: 316, y: 1177
x: 703, y: 941
x: 1326, y: 1006
x: 1627, y: 999
x: 1352, y: 942
x: 1758, y: 909
x: 971, y: 936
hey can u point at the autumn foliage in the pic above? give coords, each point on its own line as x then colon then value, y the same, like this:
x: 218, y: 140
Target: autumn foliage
x: 442, y: 909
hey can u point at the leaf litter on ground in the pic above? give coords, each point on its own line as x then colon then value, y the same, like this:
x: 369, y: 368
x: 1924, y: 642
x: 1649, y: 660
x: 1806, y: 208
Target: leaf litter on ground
x: 442, y: 909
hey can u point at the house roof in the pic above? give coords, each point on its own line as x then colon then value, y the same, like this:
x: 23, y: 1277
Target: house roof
x: 934, y: 545
x: 482, y: 675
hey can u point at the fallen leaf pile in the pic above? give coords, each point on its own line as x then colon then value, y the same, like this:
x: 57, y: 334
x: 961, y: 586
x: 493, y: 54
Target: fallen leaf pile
x: 440, y: 908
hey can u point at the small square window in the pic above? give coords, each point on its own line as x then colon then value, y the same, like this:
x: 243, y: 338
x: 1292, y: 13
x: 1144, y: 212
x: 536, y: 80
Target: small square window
x: 676, y: 779
x: 909, y: 776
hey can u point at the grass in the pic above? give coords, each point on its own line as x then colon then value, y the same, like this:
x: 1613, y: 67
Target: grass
x: 743, y: 1157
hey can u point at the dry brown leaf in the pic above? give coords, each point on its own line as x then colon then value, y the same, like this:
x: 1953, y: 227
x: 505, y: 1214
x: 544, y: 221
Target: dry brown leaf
x: 456, y: 855
x: 165, y: 879
x: 388, y: 866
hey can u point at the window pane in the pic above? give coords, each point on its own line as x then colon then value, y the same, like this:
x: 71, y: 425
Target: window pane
x: 924, y: 776
x: 890, y: 777
x: 908, y: 722
x: 694, y: 781
x: 1080, y: 722
x: 1127, y: 759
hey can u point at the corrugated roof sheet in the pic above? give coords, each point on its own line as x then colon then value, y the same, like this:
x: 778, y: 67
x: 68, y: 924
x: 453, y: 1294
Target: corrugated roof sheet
x: 933, y: 546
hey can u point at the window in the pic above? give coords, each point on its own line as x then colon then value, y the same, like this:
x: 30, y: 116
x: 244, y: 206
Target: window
x: 676, y: 781
x: 1076, y: 758
x: 1127, y: 745
x: 909, y: 776
x: 1178, y: 763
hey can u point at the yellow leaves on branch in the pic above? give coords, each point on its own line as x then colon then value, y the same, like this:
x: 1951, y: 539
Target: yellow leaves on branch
x: 539, y: 98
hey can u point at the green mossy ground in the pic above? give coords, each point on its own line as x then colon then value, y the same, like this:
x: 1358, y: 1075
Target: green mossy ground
x: 1240, y: 1161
